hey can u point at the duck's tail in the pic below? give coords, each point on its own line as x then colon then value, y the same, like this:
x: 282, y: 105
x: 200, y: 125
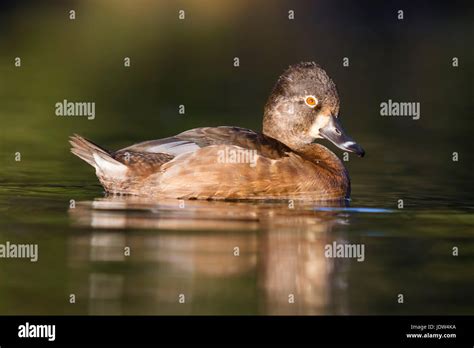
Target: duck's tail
x: 96, y: 156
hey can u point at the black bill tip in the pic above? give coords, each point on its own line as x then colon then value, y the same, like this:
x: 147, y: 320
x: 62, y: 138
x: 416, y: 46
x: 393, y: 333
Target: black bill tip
x: 353, y: 147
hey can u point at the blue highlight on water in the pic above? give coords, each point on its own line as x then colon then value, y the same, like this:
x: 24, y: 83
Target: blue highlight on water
x: 354, y: 210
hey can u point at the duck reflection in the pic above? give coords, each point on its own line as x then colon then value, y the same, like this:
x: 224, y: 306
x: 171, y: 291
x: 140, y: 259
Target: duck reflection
x: 204, y: 257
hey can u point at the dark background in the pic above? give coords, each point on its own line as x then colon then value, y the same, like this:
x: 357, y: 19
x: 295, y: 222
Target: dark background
x: 190, y: 62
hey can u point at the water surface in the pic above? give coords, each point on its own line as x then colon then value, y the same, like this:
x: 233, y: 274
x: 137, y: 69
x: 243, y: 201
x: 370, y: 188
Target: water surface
x: 188, y: 247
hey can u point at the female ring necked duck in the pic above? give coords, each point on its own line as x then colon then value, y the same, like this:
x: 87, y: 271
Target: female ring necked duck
x: 281, y: 162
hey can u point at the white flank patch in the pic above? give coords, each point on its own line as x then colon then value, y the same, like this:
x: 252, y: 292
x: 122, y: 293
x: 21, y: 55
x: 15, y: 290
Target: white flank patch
x: 109, y: 168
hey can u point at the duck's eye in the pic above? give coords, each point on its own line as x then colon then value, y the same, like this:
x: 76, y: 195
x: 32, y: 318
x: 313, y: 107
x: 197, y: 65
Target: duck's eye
x: 311, y: 101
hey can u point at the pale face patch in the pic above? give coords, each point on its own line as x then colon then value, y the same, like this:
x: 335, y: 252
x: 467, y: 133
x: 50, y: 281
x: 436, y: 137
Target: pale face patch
x: 320, y: 122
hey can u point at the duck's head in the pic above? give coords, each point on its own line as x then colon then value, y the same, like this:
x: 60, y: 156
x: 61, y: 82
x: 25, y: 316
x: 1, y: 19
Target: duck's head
x: 303, y: 107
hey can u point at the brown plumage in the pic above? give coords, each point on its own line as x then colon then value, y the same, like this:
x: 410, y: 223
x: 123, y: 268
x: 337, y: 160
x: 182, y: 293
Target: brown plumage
x: 237, y: 163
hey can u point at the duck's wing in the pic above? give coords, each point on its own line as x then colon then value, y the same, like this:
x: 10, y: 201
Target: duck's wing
x: 198, y: 138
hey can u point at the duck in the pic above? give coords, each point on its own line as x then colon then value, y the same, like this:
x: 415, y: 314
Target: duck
x: 282, y: 162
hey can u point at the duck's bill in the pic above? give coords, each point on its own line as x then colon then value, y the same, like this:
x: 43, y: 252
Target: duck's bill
x: 334, y: 132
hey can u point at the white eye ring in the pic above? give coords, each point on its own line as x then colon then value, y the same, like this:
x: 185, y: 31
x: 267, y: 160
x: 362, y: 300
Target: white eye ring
x: 311, y: 101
